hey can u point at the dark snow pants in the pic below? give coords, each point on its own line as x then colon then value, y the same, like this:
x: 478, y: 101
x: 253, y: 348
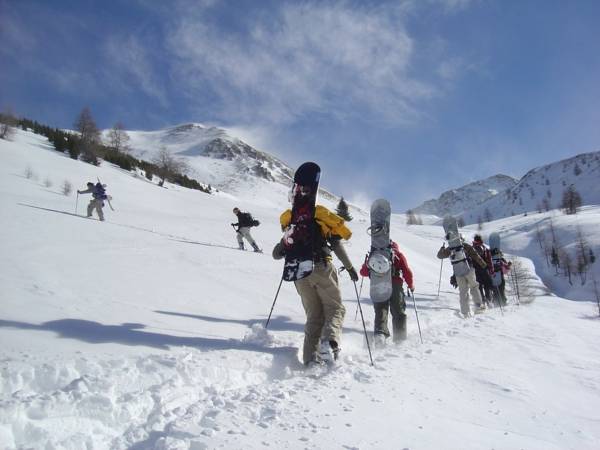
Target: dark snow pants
x: 397, y: 305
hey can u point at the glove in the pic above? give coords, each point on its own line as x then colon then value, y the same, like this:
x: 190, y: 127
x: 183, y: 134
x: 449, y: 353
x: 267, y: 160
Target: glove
x: 78, y: 191
x: 353, y: 274
x: 453, y: 281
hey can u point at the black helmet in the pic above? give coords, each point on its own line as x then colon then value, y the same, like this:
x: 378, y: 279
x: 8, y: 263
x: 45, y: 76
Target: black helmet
x: 89, y: 183
x: 477, y: 238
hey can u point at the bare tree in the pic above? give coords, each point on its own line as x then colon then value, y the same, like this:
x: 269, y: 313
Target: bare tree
x: 567, y: 264
x: 411, y: 219
x: 597, y: 294
x: 168, y: 165
x: 487, y: 215
x: 66, y: 188
x: 7, y: 124
x: 546, y: 204
x: 118, y: 138
x: 89, y: 135
x: 571, y: 200
x: 555, y: 260
x: 583, y: 255
x: 521, y: 283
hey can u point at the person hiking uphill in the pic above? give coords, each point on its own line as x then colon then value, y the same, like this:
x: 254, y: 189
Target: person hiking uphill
x: 484, y: 275
x: 501, y: 267
x: 97, y: 201
x: 319, y: 291
x: 463, y: 259
x: 244, y: 223
x: 396, y: 303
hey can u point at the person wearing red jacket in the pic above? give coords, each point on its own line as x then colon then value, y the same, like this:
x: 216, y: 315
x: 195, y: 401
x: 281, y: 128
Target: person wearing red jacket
x: 400, y: 273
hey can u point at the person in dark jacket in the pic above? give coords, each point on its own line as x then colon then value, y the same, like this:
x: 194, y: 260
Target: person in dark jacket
x: 396, y: 303
x: 244, y: 223
x: 97, y: 201
x: 484, y: 275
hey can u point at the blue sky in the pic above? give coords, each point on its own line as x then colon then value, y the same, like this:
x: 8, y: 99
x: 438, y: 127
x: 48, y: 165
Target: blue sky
x: 395, y: 99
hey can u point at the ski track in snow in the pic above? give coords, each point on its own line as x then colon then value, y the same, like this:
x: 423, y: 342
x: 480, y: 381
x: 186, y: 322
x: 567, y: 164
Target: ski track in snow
x: 123, y: 365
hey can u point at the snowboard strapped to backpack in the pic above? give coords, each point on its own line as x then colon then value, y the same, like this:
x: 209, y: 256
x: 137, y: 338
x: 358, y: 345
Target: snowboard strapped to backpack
x: 458, y: 257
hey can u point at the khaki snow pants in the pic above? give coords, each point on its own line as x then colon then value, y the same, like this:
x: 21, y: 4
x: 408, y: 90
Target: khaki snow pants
x: 96, y: 204
x: 466, y: 284
x: 244, y: 232
x: 322, y: 303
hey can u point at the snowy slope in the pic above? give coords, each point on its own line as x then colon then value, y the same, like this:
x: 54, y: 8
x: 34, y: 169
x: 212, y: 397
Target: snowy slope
x: 465, y: 198
x: 542, y: 188
x: 144, y: 332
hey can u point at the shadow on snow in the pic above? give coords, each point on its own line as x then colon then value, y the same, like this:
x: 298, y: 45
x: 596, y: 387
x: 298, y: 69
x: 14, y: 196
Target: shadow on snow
x: 133, y: 334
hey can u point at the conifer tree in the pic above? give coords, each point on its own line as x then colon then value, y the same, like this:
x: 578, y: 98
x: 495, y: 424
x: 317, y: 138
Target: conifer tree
x: 342, y: 210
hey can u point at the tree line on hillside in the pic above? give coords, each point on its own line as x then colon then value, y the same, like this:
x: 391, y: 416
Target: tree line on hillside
x: 571, y: 264
x: 86, y: 145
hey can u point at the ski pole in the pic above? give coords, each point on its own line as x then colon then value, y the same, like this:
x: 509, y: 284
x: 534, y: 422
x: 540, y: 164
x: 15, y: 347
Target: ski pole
x: 360, y: 290
x: 412, y: 294
x: 440, y: 280
x: 363, y: 322
x: 273, y: 306
x: 76, y: 202
x: 516, y: 285
x: 499, y: 299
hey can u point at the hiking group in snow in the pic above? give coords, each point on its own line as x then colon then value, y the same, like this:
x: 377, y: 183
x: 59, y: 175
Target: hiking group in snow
x: 312, y: 233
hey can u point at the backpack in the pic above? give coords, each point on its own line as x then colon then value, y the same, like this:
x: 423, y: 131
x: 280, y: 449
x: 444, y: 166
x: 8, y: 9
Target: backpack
x: 246, y: 220
x: 459, y: 261
x: 330, y: 224
x: 99, y: 191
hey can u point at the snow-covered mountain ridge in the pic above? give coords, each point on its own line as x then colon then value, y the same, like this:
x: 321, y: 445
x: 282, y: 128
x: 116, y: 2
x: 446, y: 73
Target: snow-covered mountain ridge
x: 219, y: 159
x: 502, y: 196
x: 456, y: 201
x: 541, y: 189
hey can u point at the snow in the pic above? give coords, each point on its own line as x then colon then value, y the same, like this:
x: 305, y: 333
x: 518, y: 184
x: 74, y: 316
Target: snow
x: 147, y: 332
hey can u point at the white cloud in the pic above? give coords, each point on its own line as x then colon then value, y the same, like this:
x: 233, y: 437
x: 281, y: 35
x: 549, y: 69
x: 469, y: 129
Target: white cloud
x: 303, y: 59
x: 128, y: 61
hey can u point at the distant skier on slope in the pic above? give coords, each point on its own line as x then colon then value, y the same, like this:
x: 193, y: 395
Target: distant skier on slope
x: 98, y: 196
x: 318, y: 287
x: 396, y: 302
x: 244, y: 223
x: 463, y: 257
x: 483, y: 275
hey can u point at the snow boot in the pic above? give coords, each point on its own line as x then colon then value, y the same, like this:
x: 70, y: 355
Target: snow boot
x: 379, y: 341
x: 256, y: 249
x: 241, y: 247
x: 335, y: 348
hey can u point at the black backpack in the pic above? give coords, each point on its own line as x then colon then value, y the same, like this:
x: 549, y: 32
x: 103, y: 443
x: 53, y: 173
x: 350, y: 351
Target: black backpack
x: 246, y: 220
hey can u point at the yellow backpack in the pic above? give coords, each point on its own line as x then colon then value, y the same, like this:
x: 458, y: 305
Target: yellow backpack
x: 329, y: 223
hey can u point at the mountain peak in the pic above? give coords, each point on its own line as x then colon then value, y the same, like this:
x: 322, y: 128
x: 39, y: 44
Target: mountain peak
x: 456, y: 201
